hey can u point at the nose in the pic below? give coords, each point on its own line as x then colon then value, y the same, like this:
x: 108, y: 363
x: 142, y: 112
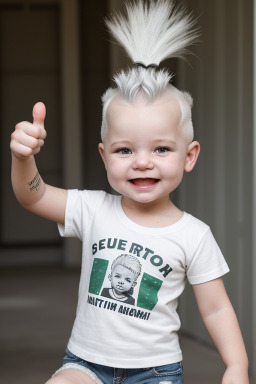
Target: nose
x: 143, y: 161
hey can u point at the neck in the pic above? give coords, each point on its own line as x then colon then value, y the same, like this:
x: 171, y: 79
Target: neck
x: 157, y: 206
x: 159, y: 213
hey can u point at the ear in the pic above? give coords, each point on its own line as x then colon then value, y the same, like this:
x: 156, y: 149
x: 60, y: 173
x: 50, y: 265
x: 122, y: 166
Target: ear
x: 102, y: 153
x: 192, y: 156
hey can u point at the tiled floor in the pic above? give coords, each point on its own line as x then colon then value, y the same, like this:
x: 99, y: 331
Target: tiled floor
x: 37, y: 309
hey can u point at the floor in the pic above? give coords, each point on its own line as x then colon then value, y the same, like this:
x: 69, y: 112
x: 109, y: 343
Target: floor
x: 37, y: 308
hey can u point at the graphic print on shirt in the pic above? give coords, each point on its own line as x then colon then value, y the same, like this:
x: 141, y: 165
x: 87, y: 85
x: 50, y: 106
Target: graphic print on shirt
x: 125, y: 271
x: 117, y: 280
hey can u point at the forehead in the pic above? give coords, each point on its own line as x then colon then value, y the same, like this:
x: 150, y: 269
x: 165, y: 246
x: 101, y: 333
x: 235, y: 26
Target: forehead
x: 123, y: 270
x: 164, y: 111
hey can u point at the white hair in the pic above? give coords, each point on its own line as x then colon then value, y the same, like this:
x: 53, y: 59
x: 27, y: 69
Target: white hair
x: 151, y: 32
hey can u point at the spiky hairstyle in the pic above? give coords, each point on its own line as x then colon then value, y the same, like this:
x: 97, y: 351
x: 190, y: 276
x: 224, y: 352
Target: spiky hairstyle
x: 150, y: 32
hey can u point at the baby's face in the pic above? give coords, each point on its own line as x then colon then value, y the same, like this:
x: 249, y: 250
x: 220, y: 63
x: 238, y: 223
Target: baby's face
x: 144, y: 150
x: 122, y: 279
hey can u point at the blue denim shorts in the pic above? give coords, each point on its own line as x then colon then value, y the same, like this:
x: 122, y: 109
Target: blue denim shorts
x: 101, y: 374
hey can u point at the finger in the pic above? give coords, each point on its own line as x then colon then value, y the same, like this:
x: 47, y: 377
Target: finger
x: 40, y: 143
x: 30, y: 129
x: 26, y: 146
x: 39, y: 113
x: 25, y: 139
x: 36, y: 151
x: 20, y: 150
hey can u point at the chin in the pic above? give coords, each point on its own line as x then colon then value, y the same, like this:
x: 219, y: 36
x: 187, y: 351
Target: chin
x: 142, y: 200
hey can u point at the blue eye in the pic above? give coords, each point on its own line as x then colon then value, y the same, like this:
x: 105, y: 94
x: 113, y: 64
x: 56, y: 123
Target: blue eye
x: 162, y: 150
x: 125, y: 151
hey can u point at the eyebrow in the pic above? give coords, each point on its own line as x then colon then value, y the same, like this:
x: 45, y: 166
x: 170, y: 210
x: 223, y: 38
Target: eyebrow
x: 160, y: 141
x: 121, y: 142
x: 127, y: 142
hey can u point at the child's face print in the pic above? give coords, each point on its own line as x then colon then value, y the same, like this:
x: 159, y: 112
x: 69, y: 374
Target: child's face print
x: 122, y: 279
x: 144, y: 151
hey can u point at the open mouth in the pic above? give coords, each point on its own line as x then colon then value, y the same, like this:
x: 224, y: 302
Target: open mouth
x: 144, y: 182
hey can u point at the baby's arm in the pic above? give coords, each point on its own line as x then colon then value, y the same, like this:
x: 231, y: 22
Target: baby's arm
x: 29, y: 188
x: 221, y: 323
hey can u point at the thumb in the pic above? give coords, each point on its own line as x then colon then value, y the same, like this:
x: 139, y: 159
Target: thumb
x: 39, y: 113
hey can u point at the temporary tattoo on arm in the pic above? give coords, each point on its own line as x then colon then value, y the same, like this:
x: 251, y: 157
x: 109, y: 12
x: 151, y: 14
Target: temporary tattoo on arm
x: 35, y: 183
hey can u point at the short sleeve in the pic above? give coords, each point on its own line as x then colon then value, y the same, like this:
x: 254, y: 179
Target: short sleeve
x: 79, y: 212
x: 71, y: 228
x: 207, y: 263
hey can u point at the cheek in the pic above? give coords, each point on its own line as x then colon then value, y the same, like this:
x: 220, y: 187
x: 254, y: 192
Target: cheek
x: 172, y: 168
x: 115, y: 168
x: 173, y: 171
x: 177, y: 164
x: 127, y: 285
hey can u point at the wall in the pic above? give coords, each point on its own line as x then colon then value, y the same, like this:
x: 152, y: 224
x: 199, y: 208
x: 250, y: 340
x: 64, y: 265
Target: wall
x: 29, y: 72
x: 95, y: 79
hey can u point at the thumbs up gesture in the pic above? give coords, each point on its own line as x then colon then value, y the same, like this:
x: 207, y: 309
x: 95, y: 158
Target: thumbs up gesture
x: 28, y: 138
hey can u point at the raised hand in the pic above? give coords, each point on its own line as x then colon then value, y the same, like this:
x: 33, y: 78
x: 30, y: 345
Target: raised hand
x: 28, y: 138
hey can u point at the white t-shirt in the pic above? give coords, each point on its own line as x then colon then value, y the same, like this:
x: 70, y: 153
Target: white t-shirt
x: 126, y: 315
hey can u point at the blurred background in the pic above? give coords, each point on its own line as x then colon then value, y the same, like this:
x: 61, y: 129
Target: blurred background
x: 58, y: 52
